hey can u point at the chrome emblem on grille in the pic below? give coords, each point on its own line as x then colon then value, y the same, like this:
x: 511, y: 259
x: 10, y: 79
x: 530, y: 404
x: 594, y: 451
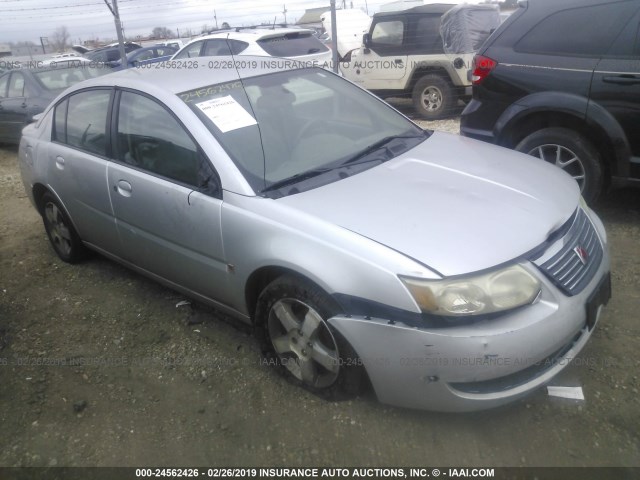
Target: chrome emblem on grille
x: 582, y: 254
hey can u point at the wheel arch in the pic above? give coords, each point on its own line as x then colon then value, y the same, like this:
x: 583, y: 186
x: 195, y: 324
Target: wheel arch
x: 556, y: 109
x: 422, y: 71
x: 263, y: 276
x: 39, y: 191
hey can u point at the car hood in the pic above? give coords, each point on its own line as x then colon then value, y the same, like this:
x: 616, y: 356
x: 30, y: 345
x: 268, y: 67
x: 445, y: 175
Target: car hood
x: 452, y: 203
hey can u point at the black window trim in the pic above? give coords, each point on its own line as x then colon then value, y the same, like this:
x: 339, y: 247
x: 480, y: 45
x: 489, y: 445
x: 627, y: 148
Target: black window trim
x: 115, y: 151
x: 107, y: 133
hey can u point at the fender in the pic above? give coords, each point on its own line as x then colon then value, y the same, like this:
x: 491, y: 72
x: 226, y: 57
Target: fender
x: 594, y: 116
x: 575, y: 105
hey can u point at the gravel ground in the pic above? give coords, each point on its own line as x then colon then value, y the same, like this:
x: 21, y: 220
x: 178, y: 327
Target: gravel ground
x: 99, y: 367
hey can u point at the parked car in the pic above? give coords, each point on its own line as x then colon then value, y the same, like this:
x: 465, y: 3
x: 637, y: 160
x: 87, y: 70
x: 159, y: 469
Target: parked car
x: 110, y: 55
x: 27, y: 92
x: 423, y: 52
x: 561, y: 81
x: 296, y: 43
x: 448, y: 273
x: 146, y: 56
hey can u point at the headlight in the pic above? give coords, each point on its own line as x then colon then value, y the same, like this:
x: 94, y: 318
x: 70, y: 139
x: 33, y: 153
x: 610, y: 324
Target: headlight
x: 488, y: 293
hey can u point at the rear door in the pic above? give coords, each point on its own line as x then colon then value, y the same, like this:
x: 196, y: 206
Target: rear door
x: 168, y: 224
x: 616, y: 85
x: 78, y: 156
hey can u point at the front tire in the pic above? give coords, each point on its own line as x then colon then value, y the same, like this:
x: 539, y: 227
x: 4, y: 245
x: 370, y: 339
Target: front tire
x: 433, y: 97
x: 291, y: 318
x: 571, y: 152
x: 63, y: 237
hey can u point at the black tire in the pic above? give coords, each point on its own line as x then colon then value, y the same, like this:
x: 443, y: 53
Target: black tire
x: 578, y: 156
x: 300, y: 351
x: 433, y: 97
x: 63, y: 237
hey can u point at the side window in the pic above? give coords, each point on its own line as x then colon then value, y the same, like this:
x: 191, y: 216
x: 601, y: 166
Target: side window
x: 626, y: 45
x: 584, y: 31
x: 60, y: 122
x: 87, y: 121
x: 164, y: 51
x: 388, y: 33
x: 16, y: 85
x: 190, y: 51
x: 426, y: 38
x: 216, y: 47
x: 237, y: 46
x: 113, y: 55
x: 4, y: 81
x: 150, y: 138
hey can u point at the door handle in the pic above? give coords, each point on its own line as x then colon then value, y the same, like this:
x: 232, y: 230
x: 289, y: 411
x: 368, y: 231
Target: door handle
x: 59, y: 163
x: 123, y: 188
x: 623, y: 79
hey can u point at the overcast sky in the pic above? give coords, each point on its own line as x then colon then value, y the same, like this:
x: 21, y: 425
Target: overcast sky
x: 23, y: 20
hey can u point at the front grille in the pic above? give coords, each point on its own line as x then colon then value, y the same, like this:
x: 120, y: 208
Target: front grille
x: 566, y: 269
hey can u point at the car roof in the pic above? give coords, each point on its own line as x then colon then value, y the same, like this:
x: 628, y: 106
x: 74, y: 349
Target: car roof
x: 193, y: 73
x: 433, y: 8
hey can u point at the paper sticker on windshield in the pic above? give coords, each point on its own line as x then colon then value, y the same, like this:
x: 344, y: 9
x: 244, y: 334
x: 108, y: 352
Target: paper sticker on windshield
x: 226, y: 113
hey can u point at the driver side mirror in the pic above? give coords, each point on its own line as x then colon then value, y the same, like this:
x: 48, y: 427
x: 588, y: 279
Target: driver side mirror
x: 366, y: 40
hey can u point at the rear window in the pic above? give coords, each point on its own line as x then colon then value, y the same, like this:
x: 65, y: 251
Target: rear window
x: 292, y: 45
x: 584, y: 31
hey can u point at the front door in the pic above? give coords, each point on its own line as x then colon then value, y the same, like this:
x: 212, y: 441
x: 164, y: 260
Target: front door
x: 167, y: 224
x: 385, y: 61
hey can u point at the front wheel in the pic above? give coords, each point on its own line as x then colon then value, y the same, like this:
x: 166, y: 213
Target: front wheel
x: 433, y: 97
x: 571, y: 152
x: 292, y: 318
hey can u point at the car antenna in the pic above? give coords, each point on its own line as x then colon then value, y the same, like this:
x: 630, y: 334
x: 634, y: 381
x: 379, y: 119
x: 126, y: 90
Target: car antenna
x: 233, y: 58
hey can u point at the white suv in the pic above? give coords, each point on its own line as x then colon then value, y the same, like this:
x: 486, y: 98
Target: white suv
x: 296, y: 43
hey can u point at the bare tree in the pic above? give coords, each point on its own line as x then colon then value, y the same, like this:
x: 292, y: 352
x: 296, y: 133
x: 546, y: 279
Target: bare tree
x: 60, y: 38
x: 205, y: 28
x: 162, y: 32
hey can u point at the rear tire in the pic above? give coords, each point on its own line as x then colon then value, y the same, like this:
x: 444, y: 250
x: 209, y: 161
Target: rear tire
x: 291, y: 321
x: 571, y: 152
x: 63, y: 237
x: 433, y: 97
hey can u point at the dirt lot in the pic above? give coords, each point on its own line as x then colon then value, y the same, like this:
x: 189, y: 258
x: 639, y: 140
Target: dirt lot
x: 149, y: 383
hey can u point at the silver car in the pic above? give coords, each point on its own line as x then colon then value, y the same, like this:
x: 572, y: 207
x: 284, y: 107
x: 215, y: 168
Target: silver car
x: 444, y: 273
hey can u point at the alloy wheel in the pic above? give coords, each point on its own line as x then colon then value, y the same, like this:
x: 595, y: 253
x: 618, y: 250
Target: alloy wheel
x: 303, y: 342
x: 564, y: 158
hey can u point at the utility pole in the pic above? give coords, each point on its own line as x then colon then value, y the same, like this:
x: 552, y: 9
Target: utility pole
x: 334, y: 36
x: 116, y: 19
x: 284, y: 12
x: 215, y: 17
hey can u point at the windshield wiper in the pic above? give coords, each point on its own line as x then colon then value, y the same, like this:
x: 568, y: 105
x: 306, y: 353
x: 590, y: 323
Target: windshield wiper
x: 383, y: 142
x: 298, y: 177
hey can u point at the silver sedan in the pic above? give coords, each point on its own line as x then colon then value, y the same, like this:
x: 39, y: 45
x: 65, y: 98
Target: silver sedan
x: 441, y: 272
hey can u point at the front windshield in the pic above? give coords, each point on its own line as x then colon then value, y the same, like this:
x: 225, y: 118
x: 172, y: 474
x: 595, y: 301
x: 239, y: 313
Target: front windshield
x: 284, y: 124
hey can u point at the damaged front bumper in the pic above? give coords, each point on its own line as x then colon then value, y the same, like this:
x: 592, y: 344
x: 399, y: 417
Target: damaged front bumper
x: 482, y: 365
